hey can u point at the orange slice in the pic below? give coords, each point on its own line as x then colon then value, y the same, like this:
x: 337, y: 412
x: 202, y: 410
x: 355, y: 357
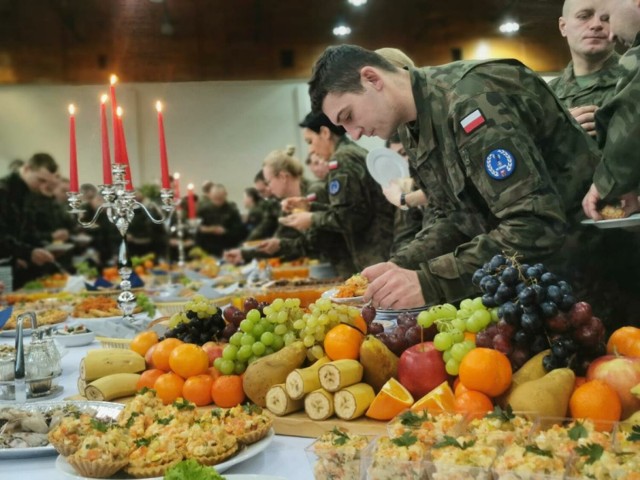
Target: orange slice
x: 390, y: 401
x: 440, y: 399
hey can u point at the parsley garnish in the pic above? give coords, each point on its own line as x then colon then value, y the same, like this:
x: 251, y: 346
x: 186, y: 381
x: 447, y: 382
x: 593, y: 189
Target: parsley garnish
x: 144, y: 390
x: 591, y: 450
x: 405, y: 440
x: 145, y: 441
x: 538, y: 451
x: 217, y: 413
x: 341, y: 437
x: 411, y: 419
x: 164, y: 421
x: 634, y: 436
x: 252, y: 408
x: 98, y: 425
x: 132, y: 419
x: 500, y: 414
x: 578, y: 431
x: 449, y: 441
x: 182, y: 404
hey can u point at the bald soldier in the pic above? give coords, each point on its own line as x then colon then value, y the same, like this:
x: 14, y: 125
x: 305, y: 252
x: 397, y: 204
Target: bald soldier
x: 590, y: 78
x: 488, y: 141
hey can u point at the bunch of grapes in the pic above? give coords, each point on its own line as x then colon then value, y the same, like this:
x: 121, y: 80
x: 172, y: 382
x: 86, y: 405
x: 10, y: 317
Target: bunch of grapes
x: 406, y: 334
x: 534, y: 310
x: 259, y: 334
x: 199, y: 322
x: 452, y: 323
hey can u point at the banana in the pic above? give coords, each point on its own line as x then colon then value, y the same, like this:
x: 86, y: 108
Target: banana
x: 280, y: 403
x: 82, y: 385
x: 106, y: 361
x: 304, y: 380
x: 112, y: 386
x: 319, y: 404
x: 339, y: 374
x: 352, y: 402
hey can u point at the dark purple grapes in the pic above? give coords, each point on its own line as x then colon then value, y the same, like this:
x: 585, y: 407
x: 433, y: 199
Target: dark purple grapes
x: 250, y: 303
x: 368, y: 313
x: 509, y: 276
x: 502, y: 343
x: 375, y: 328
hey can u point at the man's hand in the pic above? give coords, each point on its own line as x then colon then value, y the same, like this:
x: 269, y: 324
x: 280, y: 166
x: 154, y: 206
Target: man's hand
x: 233, y: 256
x: 392, y: 287
x: 630, y: 203
x: 590, y: 203
x: 269, y: 246
x: 60, y: 235
x: 294, y: 203
x: 300, y: 221
x: 393, y: 192
x: 585, y: 116
x: 40, y: 256
x: 213, y: 229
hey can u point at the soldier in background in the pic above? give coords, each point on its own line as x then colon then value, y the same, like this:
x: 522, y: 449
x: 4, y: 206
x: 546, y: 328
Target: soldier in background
x: 221, y: 226
x: 489, y: 142
x: 589, y: 79
x: 270, y: 210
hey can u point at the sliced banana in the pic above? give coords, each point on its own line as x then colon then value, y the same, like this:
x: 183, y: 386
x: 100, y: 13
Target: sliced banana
x: 279, y: 403
x: 352, y: 402
x: 319, y: 404
x: 304, y: 380
x: 339, y: 374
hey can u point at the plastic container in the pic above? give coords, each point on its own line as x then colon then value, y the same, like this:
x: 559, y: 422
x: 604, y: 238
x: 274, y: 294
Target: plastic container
x: 502, y: 430
x: 388, y: 459
x: 337, y: 455
x: 526, y: 462
x: 468, y: 460
x: 428, y: 428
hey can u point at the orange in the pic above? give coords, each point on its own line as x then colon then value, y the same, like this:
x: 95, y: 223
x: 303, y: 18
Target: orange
x: 458, y: 387
x: 391, y: 400
x: 168, y: 386
x: 485, y: 370
x: 360, y: 324
x: 343, y: 341
x: 161, y: 352
x: 188, y: 360
x: 197, y: 389
x: 142, y: 342
x: 148, y: 378
x: 440, y: 399
x: 474, y: 404
x: 598, y: 402
x: 227, y: 391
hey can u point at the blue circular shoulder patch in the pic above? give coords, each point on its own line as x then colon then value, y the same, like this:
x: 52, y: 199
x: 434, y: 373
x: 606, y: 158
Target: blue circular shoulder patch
x: 500, y: 164
x: 334, y: 187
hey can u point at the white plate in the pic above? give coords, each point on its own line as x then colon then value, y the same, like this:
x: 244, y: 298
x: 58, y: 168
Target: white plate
x: 630, y: 221
x: 330, y: 294
x: 103, y: 410
x: 385, y: 165
x: 59, y: 247
x: 241, y: 456
x: 12, y: 333
x: 75, y: 339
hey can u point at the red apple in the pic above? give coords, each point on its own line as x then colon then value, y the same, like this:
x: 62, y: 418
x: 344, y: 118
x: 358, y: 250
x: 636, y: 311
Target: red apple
x: 621, y: 374
x: 148, y: 357
x: 214, y: 350
x: 421, y: 369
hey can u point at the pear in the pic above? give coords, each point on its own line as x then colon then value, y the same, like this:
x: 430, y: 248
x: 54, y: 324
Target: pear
x: 547, y: 396
x: 379, y: 363
x: 531, y: 370
x: 636, y: 390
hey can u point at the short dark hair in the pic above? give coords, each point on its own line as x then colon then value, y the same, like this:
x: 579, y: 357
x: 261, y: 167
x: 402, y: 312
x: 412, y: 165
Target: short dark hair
x: 259, y: 177
x: 315, y: 120
x: 338, y: 71
x: 394, y: 138
x: 42, y: 160
x: 253, y: 194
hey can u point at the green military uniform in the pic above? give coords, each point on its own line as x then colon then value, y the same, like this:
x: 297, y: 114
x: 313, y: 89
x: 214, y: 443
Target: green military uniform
x: 269, y: 213
x: 358, y: 209
x: 406, y: 225
x: 501, y: 159
x: 144, y: 236
x: 225, y: 215
x: 598, y: 92
x: 618, y: 127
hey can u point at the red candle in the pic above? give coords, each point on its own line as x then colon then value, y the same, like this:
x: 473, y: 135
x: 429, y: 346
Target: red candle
x: 176, y: 186
x: 164, y: 163
x: 106, y: 155
x: 191, y: 204
x: 114, y: 109
x: 124, y: 156
x: 73, y: 156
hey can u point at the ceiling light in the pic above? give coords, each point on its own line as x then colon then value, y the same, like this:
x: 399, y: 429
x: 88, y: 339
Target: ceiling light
x: 357, y: 3
x: 509, y: 27
x: 341, y: 31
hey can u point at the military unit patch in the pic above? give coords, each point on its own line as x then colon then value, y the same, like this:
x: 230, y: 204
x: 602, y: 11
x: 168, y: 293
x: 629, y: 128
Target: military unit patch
x: 333, y: 164
x: 472, y: 121
x: 312, y: 197
x: 334, y: 187
x: 500, y: 164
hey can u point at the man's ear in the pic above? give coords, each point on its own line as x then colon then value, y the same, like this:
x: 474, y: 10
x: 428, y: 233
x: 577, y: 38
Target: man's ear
x: 561, y: 24
x: 324, y: 132
x: 372, y: 76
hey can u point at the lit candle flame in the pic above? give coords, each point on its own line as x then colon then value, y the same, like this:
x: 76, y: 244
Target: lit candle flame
x: 113, y: 79
x: 159, y: 106
x: 104, y: 98
x: 72, y: 109
x: 176, y: 176
x: 190, y: 186
x: 119, y: 112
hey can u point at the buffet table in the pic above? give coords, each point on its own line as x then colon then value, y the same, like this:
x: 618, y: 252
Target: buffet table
x: 285, y: 456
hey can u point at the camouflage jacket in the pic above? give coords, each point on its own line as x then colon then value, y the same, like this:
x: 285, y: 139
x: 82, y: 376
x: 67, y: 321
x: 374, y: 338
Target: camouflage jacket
x: 227, y: 216
x: 269, y: 213
x: 618, y: 127
x: 358, y: 209
x: 501, y: 160
x: 598, y: 93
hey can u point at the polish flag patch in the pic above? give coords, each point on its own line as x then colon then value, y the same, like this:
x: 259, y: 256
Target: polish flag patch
x: 333, y: 164
x: 312, y: 197
x: 472, y: 121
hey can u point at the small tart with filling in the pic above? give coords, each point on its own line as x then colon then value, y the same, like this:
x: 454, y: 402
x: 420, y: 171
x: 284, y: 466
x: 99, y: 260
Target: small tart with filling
x: 248, y: 423
x: 153, y: 456
x: 209, y: 444
x: 103, y: 454
x: 67, y: 436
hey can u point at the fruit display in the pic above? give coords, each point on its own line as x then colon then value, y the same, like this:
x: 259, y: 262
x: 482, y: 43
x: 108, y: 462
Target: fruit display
x: 199, y: 322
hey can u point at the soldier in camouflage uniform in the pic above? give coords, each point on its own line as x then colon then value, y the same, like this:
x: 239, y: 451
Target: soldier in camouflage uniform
x: 488, y: 142
x: 19, y: 236
x: 588, y: 81
x: 618, y: 122
x: 269, y: 208
x: 357, y: 208
x: 221, y: 226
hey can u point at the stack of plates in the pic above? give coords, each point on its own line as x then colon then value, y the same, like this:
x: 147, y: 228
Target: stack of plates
x: 382, y: 314
x: 6, y: 277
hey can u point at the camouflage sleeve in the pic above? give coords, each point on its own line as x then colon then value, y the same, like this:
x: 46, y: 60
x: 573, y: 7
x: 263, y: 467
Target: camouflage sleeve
x: 233, y: 224
x: 268, y: 222
x: 618, y: 120
x: 9, y: 244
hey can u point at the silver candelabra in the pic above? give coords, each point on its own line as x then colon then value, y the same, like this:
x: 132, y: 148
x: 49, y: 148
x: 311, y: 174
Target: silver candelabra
x: 120, y: 205
x: 180, y: 228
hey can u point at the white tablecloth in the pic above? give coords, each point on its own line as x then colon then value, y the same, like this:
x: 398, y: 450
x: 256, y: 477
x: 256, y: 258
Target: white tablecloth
x: 284, y: 457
